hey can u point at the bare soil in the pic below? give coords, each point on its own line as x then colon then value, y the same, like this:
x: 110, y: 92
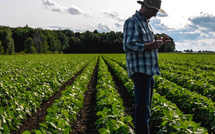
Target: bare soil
x: 128, y: 99
x: 85, y: 122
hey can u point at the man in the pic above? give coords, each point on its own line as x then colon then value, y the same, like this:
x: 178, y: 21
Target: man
x: 142, y: 59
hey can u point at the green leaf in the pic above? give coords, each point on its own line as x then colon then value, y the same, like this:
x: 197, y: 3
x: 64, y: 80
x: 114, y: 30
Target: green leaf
x: 164, y: 123
x: 43, y: 125
x: 26, y: 132
x: 49, y: 110
x: 49, y: 117
x: 43, y: 131
x: 53, y: 124
x: 113, y: 121
x: 37, y: 132
x: 183, y: 125
x: 110, y: 126
x: 65, y: 113
x: 61, y: 124
x: 190, y: 117
x: 103, y: 131
x: 167, y: 114
x: 128, y: 119
x: 6, y: 129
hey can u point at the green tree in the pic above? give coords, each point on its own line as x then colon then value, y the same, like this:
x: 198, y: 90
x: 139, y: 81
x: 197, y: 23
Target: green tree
x: 45, y: 47
x: 1, y: 49
x: 68, y: 33
x: 37, y: 40
x: 72, y: 45
x: 64, y: 40
x: 45, y: 43
x: 29, y: 46
x: 89, y: 41
x: 7, y: 41
x: 19, y: 36
x: 53, y: 42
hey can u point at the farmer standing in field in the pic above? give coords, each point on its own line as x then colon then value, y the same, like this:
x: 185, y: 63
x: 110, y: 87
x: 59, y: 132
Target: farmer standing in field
x: 141, y: 50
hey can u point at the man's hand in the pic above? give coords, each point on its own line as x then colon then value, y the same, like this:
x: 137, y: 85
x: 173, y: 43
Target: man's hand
x: 159, y: 41
x: 154, y: 45
x: 164, y: 39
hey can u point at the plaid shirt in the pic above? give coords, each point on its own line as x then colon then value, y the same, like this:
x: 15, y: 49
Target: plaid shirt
x: 137, y: 31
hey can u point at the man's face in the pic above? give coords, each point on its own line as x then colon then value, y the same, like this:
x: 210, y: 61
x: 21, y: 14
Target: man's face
x: 151, y: 12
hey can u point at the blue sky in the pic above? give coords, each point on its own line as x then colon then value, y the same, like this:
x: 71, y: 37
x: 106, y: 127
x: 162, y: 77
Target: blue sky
x: 189, y: 22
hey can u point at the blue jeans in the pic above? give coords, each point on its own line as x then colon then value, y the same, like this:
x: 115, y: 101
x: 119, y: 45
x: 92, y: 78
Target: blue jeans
x: 143, y: 87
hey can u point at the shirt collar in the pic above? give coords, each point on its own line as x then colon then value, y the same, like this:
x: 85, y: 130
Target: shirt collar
x: 141, y: 16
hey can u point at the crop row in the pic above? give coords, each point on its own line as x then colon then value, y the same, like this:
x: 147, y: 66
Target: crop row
x: 65, y: 109
x: 201, y: 86
x: 200, y: 106
x: 195, y: 73
x: 111, y: 113
x: 193, y: 61
x: 166, y: 116
x: 26, y: 82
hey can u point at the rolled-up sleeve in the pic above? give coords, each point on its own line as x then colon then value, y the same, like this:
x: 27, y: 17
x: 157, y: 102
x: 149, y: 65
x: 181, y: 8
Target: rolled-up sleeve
x: 131, y: 42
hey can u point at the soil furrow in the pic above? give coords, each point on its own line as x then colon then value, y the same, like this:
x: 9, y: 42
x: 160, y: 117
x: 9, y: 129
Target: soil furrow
x: 33, y: 121
x: 85, y: 122
x: 128, y: 99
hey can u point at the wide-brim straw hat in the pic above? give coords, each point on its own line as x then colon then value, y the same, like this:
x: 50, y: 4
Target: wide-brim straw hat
x: 156, y: 4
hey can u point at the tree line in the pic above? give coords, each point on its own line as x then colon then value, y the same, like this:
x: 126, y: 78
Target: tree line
x: 37, y: 40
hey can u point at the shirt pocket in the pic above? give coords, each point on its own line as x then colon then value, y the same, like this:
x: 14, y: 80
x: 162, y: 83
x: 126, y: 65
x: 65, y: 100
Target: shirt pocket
x: 142, y: 36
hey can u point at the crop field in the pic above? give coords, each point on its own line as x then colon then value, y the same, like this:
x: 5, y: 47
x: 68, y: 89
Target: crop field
x: 92, y: 94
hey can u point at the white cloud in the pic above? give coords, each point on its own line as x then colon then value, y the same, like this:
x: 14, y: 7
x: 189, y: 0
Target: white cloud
x: 118, y: 25
x: 114, y: 15
x: 113, y: 20
x: 162, y: 15
x: 196, y: 45
x: 103, y: 28
x: 51, y: 5
x: 158, y: 25
x: 204, y: 21
x: 198, y: 33
x: 75, y: 10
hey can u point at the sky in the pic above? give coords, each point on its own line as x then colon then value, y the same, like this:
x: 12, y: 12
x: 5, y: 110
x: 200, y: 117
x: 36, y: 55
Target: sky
x: 191, y: 23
